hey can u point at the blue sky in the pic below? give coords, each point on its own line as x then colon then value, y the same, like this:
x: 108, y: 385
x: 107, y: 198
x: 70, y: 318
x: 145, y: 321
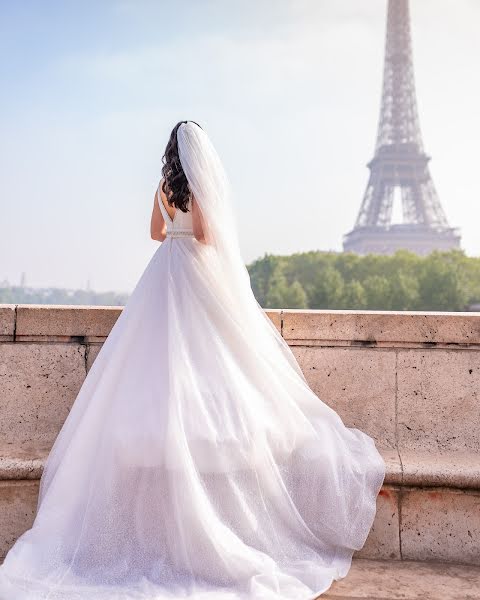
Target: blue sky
x: 288, y: 90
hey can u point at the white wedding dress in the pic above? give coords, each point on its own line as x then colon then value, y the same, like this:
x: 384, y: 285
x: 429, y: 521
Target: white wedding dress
x: 196, y: 462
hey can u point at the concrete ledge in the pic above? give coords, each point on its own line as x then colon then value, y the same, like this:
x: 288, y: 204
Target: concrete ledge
x: 25, y: 461
x: 7, y: 322
x: 456, y: 470
x: 406, y: 580
x: 431, y: 469
x: 35, y: 322
x: 38, y: 322
x: 63, y: 323
x: 416, y: 469
x: 381, y: 328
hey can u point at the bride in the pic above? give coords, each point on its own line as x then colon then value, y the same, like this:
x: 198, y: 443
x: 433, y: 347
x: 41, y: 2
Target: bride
x: 196, y: 462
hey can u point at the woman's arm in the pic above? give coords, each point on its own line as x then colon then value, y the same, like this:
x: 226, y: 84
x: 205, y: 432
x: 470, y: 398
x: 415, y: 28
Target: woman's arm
x: 197, y: 223
x: 158, y: 227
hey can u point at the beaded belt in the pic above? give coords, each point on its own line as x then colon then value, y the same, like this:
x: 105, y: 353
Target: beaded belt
x: 180, y: 233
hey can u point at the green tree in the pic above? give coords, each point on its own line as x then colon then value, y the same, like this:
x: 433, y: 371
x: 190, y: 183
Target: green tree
x: 354, y: 296
x: 261, y: 272
x: 326, y: 288
x: 404, y: 292
x: 377, y: 292
x: 281, y: 294
x: 441, y: 284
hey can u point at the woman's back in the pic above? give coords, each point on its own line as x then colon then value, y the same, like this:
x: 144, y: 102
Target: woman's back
x: 180, y: 223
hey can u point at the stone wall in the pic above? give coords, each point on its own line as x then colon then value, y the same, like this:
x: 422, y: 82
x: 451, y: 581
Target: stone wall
x: 410, y: 380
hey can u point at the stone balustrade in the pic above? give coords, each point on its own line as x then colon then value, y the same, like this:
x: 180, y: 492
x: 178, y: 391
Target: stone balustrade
x: 411, y: 380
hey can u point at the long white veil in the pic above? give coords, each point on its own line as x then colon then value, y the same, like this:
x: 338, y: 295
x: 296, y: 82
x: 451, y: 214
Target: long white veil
x: 211, y: 188
x: 209, y: 185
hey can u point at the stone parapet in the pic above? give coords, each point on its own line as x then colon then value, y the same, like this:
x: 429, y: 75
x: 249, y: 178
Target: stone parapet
x: 408, y: 379
x: 377, y: 329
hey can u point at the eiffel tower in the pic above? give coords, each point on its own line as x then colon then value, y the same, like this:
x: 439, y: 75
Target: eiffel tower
x: 399, y: 169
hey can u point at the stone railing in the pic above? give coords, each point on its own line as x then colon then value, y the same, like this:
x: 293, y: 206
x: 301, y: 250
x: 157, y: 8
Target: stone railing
x: 410, y: 380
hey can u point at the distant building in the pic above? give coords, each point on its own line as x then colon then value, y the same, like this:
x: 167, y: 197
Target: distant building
x: 399, y: 170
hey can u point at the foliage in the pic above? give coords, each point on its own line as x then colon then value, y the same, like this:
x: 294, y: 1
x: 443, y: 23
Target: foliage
x: 441, y: 281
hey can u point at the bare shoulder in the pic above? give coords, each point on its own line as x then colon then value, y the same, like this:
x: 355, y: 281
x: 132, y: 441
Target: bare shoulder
x: 163, y: 197
x: 160, y: 187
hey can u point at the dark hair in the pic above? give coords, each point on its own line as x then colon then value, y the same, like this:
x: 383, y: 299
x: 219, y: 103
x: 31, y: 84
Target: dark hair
x: 175, y: 184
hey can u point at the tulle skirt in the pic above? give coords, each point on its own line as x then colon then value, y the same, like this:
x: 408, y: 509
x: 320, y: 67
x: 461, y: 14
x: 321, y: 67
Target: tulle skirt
x: 196, y: 462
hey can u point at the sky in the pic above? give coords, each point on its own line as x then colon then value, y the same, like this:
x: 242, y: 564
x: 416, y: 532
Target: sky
x: 288, y: 91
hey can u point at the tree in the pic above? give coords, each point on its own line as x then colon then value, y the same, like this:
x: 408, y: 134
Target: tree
x: 377, y: 292
x: 354, y: 297
x: 441, y: 285
x: 326, y: 288
x: 282, y: 295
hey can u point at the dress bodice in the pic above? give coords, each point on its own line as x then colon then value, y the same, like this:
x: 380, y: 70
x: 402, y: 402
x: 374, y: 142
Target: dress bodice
x: 181, y: 225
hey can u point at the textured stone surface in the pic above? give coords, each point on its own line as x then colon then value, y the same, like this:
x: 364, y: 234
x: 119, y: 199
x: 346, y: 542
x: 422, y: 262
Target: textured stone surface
x: 26, y: 460
x: 22, y: 461
x: 322, y: 326
x: 359, y: 384
x: 92, y: 353
x: 440, y: 525
x: 38, y: 384
x: 37, y: 321
x: 438, y: 400
x: 447, y: 469
x: 373, y: 327
x: 384, y: 538
x: 393, y: 464
x: 7, y: 322
x: 275, y: 317
x: 18, y: 504
x: 397, y: 580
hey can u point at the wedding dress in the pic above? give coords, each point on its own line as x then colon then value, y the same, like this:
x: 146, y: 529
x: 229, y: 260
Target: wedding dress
x: 196, y: 462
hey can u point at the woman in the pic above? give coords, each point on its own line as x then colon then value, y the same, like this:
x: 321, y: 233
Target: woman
x: 196, y: 462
